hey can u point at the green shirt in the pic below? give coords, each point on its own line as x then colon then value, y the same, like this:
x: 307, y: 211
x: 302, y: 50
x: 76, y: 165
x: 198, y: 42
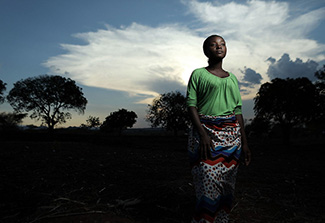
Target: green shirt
x: 213, y: 95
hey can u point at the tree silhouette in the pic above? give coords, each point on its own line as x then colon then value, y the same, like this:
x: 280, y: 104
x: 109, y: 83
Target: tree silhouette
x: 2, y: 89
x: 259, y: 127
x: 287, y: 102
x: 9, y: 121
x: 91, y: 122
x: 320, y: 74
x: 119, y: 120
x: 48, y: 97
x: 169, y: 111
x: 319, y: 121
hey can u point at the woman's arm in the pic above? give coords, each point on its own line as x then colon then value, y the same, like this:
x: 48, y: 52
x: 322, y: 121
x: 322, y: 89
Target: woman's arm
x: 205, y: 142
x: 246, y: 150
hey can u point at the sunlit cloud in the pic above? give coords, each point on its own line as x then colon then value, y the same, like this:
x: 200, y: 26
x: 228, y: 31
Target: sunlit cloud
x: 137, y: 59
x: 144, y: 60
x: 257, y: 30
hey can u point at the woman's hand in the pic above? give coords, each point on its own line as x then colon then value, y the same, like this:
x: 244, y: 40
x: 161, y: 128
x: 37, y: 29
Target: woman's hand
x: 205, y: 140
x: 205, y: 146
x: 247, y: 154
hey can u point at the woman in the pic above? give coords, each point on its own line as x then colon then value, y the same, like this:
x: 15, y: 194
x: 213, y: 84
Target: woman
x: 217, y: 137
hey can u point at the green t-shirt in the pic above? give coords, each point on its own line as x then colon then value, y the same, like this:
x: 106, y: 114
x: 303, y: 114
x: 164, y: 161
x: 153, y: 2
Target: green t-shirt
x: 213, y: 95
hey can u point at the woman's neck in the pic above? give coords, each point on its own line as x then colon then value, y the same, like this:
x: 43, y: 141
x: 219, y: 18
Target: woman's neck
x: 215, y: 65
x: 216, y: 69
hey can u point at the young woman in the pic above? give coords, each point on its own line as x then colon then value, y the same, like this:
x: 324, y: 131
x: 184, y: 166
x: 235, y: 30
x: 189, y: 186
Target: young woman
x: 217, y: 138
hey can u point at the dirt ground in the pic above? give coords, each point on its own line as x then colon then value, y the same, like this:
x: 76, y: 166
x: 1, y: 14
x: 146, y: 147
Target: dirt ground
x: 80, y: 178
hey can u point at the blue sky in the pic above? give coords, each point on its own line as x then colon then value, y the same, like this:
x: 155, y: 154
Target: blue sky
x: 124, y: 53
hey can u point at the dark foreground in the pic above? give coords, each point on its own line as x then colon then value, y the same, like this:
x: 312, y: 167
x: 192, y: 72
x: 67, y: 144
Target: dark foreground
x: 96, y: 178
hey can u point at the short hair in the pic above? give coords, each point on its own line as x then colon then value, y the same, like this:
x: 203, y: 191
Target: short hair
x: 206, y: 42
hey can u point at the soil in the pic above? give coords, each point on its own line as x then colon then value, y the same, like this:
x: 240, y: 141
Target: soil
x: 90, y: 177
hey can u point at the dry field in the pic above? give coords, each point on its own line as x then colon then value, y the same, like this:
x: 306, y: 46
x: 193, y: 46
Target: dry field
x: 89, y: 177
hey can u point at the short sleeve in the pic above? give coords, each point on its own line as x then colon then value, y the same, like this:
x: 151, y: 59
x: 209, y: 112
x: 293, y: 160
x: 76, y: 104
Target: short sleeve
x: 238, y: 108
x: 191, y: 96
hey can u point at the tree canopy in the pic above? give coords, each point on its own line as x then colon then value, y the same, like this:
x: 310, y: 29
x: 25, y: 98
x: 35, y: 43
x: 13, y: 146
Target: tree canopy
x: 288, y: 102
x: 91, y: 122
x: 2, y: 89
x: 320, y: 74
x: 169, y: 111
x: 119, y: 120
x: 9, y: 121
x: 48, y: 97
x: 320, y: 98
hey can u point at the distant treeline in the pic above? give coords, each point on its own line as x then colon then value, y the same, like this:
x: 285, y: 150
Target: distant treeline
x: 280, y: 106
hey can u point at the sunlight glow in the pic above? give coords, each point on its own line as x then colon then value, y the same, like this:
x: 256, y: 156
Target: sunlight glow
x: 144, y: 60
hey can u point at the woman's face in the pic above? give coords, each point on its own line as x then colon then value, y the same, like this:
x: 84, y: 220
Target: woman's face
x: 216, y: 48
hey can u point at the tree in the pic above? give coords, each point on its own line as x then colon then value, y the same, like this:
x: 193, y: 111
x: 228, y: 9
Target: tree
x: 48, y: 97
x: 258, y: 128
x: 9, y: 121
x: 91, y: 122
x: 320, y: 94
x: 2, y: 89
x: 119, y: 120
x: 287, y: 102
x: 319, y: 114
x: 169, y: 111
x: 320, y: 74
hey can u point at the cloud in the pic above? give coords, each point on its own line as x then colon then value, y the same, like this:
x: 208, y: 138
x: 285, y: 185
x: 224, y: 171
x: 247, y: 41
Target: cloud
x: 287, y: 68
x: 137, y: 59
x: 250, y: 80
x: 145, y: 60
x: 256, y: 30
x: 251, y: 76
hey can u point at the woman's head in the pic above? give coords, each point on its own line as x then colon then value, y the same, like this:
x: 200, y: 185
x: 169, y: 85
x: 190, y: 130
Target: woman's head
x: 214, y: 47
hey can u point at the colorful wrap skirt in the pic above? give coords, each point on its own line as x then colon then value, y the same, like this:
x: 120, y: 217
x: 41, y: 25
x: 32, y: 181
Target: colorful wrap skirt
x: 214, y: 178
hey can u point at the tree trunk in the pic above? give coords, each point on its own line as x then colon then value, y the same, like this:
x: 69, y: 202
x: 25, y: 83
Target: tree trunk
x: 286, y: 133
x: 50, y: 128
x: 175, y: 132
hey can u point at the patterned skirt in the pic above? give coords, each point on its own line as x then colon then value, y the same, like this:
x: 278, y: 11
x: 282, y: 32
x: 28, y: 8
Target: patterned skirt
x: 214, y: 178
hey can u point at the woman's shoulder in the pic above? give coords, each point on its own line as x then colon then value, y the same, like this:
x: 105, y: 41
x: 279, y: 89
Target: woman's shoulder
x: 199, y: 70
x: 231, y: 75
x: 233, y: 79
x: 197, y: 73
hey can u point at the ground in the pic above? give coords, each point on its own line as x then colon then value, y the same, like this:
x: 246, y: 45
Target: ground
x: 92, y: 177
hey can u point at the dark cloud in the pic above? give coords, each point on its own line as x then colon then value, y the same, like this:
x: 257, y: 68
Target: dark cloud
x: 271, y: 59
x: 251, y: 78
x: 163, y: 85
x: 245, y: 85
x: 285, y: 67
x: 243, y: 91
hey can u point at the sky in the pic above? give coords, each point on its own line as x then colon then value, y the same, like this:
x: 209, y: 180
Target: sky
x: 124, y: 53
